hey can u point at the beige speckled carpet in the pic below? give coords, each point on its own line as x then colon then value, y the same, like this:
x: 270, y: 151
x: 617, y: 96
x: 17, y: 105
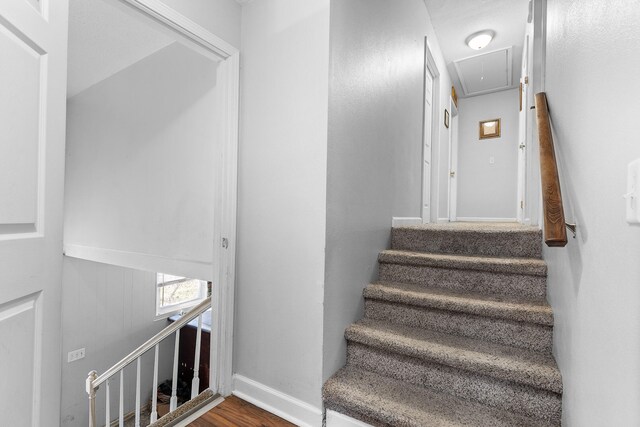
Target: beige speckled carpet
x: 456, y: 332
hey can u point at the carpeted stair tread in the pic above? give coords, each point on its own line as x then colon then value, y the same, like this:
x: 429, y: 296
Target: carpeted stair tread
x: 483, y: 227
x: 530, y: 336
x: 494, y: 360
x: 186, y: 409
x: 527, y: 266
x: 481, y: 239
x: 472, y: 386
x: 396, y: 403
x: 528, y: 286
x: 503, y: 307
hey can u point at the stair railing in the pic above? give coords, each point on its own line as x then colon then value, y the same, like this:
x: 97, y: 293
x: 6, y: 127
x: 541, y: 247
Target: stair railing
x: 94, y: 380
x: 555, y: 233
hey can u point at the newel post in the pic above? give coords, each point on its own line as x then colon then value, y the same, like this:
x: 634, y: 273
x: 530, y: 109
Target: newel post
x: 92, y: 398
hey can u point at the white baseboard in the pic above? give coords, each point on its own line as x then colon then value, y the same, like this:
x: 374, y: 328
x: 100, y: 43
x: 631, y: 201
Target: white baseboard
x: 443, y: 220
x: 482, y: 219
x: 336, y: 419
x: 288, y: 407
x: 401, y: 221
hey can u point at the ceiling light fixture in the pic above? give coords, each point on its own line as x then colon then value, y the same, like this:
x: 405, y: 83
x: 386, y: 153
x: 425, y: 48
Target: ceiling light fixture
x: 480, y: 40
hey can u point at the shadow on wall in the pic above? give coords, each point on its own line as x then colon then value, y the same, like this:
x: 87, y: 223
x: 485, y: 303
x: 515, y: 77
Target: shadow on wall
x: 572, y: 213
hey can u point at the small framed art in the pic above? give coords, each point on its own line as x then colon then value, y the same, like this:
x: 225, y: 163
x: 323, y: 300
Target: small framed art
x: 490, y: 129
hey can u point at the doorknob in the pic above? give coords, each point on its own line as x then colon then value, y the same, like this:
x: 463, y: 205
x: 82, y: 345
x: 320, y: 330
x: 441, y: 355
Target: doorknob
x: 452, y: 174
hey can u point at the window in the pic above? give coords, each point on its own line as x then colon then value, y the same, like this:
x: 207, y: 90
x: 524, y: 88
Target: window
x: 175, y: 293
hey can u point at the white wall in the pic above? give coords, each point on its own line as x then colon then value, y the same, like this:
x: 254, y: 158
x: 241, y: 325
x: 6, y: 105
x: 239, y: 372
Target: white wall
x: 374, y: 148
x: 281, y: 195
x: 109, y: 311
x: 139, y: 175
x: 594, y: 283
x: 221, y: 17
x: 488, y: 190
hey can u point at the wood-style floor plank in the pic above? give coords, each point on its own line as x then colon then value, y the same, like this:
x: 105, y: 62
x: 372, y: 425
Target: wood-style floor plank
x: 235, y: 412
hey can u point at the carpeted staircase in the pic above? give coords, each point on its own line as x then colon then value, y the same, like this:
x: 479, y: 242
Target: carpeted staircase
x: 456, y: 332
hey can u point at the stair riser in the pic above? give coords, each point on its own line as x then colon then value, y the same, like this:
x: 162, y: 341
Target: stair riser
x: 503, y: 244
x: 398, y: 403
x: 480, y: 308
x: 332, y: 406
x: 516, y: 334
x: 515, y: 285
x: 530, y: 266
x: 503, y: 395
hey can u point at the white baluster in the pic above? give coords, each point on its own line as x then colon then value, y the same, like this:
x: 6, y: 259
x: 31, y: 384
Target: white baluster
x: 154, y: 392
x: 121, y: 415
x: 138, y: 392
x: 107, y: 412
x: 195, y: 384
x: 91, y: 391
x: 173, y: 403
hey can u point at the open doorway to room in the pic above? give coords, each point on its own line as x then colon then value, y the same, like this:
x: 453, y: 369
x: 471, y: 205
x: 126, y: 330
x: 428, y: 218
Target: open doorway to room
x: 149, y: 210
x: 451, y: 121
x: 482, y: 169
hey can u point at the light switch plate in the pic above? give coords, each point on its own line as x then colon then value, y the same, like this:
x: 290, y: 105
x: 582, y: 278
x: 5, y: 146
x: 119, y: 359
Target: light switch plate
x: 633, y: 192
x: 74, y: 355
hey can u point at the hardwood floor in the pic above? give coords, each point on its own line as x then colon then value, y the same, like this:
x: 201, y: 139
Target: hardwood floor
x: 235, y: 412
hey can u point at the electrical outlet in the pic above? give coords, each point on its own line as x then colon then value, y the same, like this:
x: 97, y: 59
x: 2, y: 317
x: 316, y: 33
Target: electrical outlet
x: 74, y: 355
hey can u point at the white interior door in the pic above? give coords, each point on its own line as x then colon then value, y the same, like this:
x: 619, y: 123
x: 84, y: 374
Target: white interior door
x: 453, y: 163
x: 427, y: 136
x: 32, y: 131
x: 522, y: 133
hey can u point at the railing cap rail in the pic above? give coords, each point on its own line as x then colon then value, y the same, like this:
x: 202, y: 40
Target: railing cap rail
x: 186, y: 318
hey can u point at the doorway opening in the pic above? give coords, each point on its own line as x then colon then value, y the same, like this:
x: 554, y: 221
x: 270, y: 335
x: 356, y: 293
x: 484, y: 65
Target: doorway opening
x: 483, y: 177
x: 453, y: 161
x: 150, y: 187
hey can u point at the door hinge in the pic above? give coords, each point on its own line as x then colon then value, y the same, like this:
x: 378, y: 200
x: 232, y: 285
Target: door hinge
x: 521, y: 204
x: 225, y: 242
x: 526, y: 80
x: 452, y: 174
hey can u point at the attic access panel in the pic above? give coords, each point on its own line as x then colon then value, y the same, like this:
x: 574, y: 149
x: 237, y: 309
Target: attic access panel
x: 487, y: 72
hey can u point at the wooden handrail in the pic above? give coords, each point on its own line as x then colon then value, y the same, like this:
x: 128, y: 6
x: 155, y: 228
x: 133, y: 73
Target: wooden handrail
x: 555, y: 233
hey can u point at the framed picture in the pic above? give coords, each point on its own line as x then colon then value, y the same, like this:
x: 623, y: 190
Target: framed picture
x: 446, y: 118
x: 490, y: 129
x: 521, y: 96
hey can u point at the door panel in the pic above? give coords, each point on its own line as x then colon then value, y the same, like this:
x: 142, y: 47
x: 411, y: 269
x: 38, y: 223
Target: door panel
x: 33, y: 36
x: 20, y: 327
x: 20, y: 73
x: 427, y: 146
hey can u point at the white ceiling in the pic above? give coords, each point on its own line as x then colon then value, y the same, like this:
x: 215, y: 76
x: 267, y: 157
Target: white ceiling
x: 103, y: 40
x: 455, y: 20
